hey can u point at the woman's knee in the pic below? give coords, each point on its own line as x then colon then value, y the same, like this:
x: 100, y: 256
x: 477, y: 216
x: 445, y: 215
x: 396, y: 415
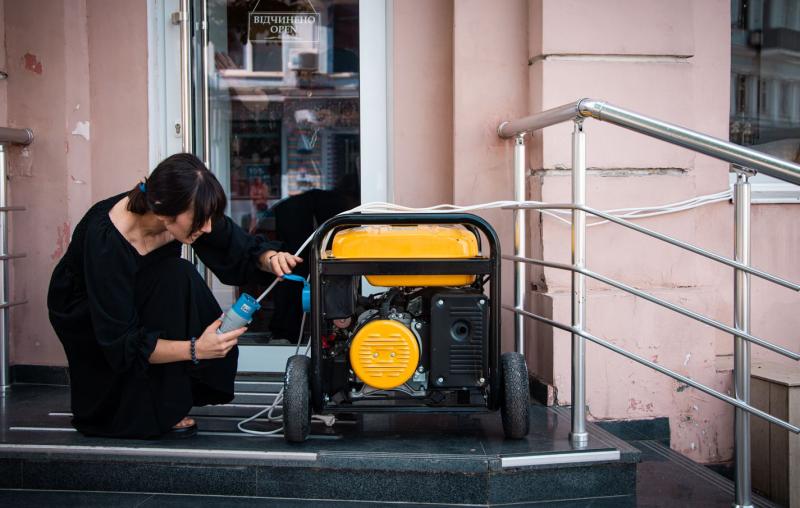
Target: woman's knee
x: 173, y: 297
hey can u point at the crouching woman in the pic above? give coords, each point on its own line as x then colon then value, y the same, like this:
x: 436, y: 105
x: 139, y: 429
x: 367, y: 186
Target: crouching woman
x: 137, y: 322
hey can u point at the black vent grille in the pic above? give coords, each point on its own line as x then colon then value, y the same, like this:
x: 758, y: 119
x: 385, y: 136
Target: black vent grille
x: 459, y: 340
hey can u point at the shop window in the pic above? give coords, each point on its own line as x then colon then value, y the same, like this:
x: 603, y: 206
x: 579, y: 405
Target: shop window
x: 765, y: 41
x: 285, y: 124
x: 741, y: 94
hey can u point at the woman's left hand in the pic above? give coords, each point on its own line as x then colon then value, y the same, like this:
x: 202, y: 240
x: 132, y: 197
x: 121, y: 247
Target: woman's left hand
x: 279, y: 263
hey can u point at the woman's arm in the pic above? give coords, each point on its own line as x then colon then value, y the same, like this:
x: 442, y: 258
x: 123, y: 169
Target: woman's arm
x: 233, y: 254
x: 209, y: 345
x: 110, y: 278
x: 168, y: 351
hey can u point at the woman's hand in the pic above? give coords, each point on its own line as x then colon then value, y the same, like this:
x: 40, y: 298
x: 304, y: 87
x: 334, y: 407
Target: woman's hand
x: 279, y: 263
x: 216, y: 345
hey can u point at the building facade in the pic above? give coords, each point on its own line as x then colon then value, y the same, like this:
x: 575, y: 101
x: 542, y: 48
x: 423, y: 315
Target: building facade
x: 405, y: 96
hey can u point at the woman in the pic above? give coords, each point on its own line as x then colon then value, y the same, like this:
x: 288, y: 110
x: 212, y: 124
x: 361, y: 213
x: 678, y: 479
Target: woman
x: 137, y: 322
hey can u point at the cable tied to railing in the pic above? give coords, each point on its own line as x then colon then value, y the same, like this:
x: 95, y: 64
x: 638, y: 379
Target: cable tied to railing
x: 640, y: 212
x: 614, y: 215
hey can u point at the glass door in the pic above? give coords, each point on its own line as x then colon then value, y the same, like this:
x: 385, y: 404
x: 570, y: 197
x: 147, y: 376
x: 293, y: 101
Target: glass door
x: 276, y: 102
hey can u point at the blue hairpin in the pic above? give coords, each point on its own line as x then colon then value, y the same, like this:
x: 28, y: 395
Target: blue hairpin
x: 142, y: 187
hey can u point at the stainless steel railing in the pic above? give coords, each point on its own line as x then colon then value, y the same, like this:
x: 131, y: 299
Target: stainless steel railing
x: 746, y: 163
x: 20, y: 137
x: 665, y: 131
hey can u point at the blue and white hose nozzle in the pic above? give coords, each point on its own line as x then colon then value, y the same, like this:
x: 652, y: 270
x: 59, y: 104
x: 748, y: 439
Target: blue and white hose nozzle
x: 240, y: 314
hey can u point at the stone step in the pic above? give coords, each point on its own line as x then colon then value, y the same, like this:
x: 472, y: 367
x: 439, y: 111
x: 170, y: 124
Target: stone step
x: 380, y: 458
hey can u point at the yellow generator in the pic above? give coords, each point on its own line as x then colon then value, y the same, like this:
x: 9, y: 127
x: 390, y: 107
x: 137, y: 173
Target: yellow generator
x: 426, y: 339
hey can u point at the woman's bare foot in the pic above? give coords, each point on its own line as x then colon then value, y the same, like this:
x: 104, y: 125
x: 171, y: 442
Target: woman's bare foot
x: 186, y: 422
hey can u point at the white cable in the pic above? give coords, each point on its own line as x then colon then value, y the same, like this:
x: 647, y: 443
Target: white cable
x: 328, y: 420
x: 380, y: 207
x: 277, y: 403
x: 631, y: 213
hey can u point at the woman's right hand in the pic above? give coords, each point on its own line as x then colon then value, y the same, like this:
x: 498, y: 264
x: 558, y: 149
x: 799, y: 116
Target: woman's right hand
x: 216, y: 345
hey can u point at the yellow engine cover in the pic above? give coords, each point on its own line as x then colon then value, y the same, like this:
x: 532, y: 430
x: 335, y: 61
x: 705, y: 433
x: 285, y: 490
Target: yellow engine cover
x: 384, y: 354
x: 408, y: 242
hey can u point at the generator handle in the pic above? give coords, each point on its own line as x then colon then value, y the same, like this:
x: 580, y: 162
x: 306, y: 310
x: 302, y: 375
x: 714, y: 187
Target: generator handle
x: 406, y: 219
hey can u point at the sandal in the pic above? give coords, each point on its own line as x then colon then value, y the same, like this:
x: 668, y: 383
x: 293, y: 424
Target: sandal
x: 182, y: 432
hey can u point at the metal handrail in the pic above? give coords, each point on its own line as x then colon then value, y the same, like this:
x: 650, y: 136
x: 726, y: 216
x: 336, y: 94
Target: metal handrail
x: 16, y: 136
x: 19, y: 137
x: 665, y: 131
x: 746, y: 161
x: 649, y: 232
x: 658, y: 301
x: 659, y: 368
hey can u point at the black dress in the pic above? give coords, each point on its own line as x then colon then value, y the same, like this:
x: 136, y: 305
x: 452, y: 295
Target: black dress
x: 109, y: 305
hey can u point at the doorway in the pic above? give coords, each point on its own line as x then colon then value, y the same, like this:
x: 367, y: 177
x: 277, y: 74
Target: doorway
x: 276, y: 101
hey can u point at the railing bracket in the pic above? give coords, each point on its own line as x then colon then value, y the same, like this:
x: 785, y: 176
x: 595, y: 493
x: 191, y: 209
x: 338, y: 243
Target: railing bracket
x: 741, y: 170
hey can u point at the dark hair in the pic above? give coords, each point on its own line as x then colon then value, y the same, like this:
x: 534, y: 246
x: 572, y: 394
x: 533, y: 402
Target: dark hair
x: 178, y: 183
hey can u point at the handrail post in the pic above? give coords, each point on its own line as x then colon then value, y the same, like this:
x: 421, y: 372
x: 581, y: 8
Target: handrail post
x: 5, y: 375
x: 520, y: 228
x: 741, y: 353
x: 579, y: 436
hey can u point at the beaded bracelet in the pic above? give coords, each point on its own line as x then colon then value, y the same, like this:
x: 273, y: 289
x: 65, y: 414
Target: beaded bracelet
x: 193, y: 350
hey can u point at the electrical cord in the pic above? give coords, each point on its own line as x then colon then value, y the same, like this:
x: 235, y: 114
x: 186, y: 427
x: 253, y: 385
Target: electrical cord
x: 381, y: 207
x: 277, y: 403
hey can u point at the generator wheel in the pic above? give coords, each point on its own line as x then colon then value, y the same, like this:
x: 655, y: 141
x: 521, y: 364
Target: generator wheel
x: 297, y: 399
x: 515, y: 400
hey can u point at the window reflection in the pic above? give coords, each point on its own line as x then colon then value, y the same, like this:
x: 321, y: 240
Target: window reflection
x: 284, y: 124
x: 765, y: 77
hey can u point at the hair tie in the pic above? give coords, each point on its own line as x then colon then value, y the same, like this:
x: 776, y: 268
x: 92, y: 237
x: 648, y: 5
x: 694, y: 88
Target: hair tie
x: 143, y: 187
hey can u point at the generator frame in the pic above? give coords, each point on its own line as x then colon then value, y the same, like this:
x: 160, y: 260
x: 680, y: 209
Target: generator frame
x: 479, y: 266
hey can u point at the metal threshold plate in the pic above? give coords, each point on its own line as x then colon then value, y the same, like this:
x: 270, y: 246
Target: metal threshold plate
x: 560, y: 458
x: 158, y: 452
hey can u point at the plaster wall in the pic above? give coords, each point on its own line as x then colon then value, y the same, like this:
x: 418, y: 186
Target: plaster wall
x: 490, y: 83
x: 455, y: 76
x: 422, y: 102
x: 669, y: 61
x: 118, y: 79
x: 774, y: 316
x: 77, y: 77
x: 3, y: 67
x: 35, y: 48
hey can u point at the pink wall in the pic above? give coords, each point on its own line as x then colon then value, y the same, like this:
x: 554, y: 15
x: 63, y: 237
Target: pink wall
x: 490, y: 82
x: 447, y: 104
x: 118, y: 82
x: 669, y: 60
x: 422, y: 87
x: 776, y: 236
x: 4, y: 67
x: 78, y: 79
